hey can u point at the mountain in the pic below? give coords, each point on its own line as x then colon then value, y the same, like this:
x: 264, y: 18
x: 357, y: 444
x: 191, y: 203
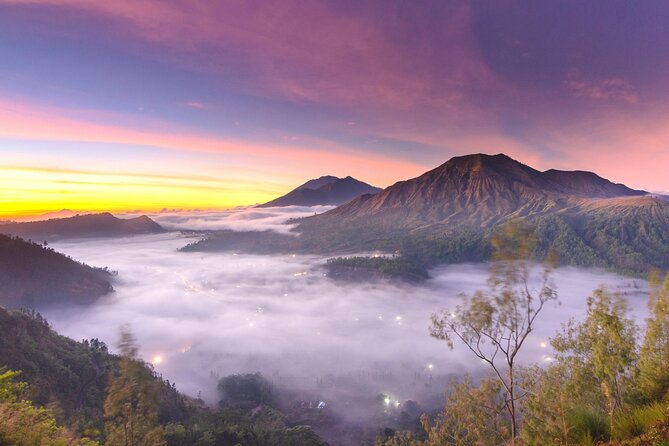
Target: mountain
x: 327, y: 190
x: 34, y: 276
x: 82, y: 226
x: 318, y: 182
x: 449, y: 214
x: 479, y: 190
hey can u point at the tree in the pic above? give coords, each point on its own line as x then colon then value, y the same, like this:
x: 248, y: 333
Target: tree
x: 653, y: 378
x: 600, y: 353
x: 473, y: 416
x: 131, y: 407
x: 546, y: 408
x: 23, y: 424
x: 245, y: 391
x: 495, y: 324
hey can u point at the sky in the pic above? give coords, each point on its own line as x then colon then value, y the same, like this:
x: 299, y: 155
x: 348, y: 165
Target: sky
x: 147, y: 104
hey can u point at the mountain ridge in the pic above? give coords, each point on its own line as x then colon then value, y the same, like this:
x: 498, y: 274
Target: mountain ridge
x: 83, y: 226
x: 476, y: 189
x: 450, y: 213
x: 34, y: 276
x: 326, y: 190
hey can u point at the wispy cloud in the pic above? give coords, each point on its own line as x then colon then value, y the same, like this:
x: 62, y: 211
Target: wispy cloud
x: 615, y: 89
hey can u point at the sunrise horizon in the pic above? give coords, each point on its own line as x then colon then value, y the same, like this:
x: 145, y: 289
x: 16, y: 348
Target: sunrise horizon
x: 149, y: 112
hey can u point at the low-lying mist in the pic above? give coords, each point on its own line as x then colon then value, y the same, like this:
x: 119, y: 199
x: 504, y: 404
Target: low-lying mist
x: 199, y: 317
x: 240, y: 219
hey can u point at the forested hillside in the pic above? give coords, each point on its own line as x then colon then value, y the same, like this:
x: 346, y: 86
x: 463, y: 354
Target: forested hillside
x: 82, y: 226
x: 78, y: 390
x: 36, y: 276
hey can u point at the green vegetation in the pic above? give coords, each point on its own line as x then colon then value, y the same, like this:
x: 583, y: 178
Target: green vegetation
x: 494, y: 326
x: 364, y: 268
x: 607, y: 383
x: 77, y: 393
x: 22, y: 423
x: 590, y: 393
x: 131, y: 407
x: 602, y: 387
x: 245, y: 392
x: 589, y: 239
x: 34, y: 276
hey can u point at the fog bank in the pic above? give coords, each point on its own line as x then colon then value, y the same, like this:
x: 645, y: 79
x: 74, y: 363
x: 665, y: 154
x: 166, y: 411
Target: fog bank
x: 201, y: 316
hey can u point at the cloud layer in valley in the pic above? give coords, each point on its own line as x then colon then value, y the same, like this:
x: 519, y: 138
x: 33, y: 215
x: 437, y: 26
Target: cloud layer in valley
x: 241, y: 219
x: 201, y: 316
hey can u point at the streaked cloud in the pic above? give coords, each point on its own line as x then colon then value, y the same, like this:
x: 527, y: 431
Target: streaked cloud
x: 382, y: 91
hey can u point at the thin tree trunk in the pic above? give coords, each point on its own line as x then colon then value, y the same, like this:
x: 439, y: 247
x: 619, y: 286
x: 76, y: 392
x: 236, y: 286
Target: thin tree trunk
x: 512, y: 406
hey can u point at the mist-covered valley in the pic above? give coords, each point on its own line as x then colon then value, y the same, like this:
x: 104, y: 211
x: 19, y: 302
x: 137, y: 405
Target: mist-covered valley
x: 202, y: 316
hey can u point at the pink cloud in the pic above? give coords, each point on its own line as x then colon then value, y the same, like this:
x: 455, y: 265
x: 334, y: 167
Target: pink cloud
x: 29, y: 121
x: 613, y: 88
x: 307, y: 51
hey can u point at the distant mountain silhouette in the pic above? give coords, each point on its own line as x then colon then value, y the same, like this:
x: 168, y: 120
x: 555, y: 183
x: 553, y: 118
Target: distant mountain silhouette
x: 34, y: 276
x: 82, y: 226
x: 318, y: 182
x: 479, y: 190
x: 326, y: 190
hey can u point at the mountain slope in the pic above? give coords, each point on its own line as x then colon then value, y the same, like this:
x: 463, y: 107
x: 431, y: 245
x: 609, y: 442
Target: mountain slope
x: 33, y: 276
x: 83, y: 226
x: 479, y: 190
x: 72, y: 378
x: 69, y: 375
x: 327, y: 190
x: 449, y: 214
x: 317, y: 182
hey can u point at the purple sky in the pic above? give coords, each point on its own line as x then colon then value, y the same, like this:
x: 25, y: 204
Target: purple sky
x: 217, y: 103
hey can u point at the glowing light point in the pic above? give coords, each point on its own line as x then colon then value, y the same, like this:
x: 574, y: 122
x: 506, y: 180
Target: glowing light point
x: 398, y: 318
x: 543, y: 345
x: 386, y: 400
x: 430, y: 366
x: 157, y: 360
x: 380, y: 318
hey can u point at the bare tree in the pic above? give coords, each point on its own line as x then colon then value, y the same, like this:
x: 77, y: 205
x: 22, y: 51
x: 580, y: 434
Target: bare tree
x: 494, y: 324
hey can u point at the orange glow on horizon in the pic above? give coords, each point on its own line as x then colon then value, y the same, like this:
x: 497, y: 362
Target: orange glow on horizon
x: 30, y: 192
x: 223, y: 173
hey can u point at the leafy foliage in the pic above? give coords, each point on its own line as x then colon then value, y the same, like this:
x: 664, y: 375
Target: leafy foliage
x: 494, y: 325
x: 653, y: 376
x: 245, y: 392
x: 474, y: 416
x: 21, y: 423
x: 366, y: 267
x: 131, y: 406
